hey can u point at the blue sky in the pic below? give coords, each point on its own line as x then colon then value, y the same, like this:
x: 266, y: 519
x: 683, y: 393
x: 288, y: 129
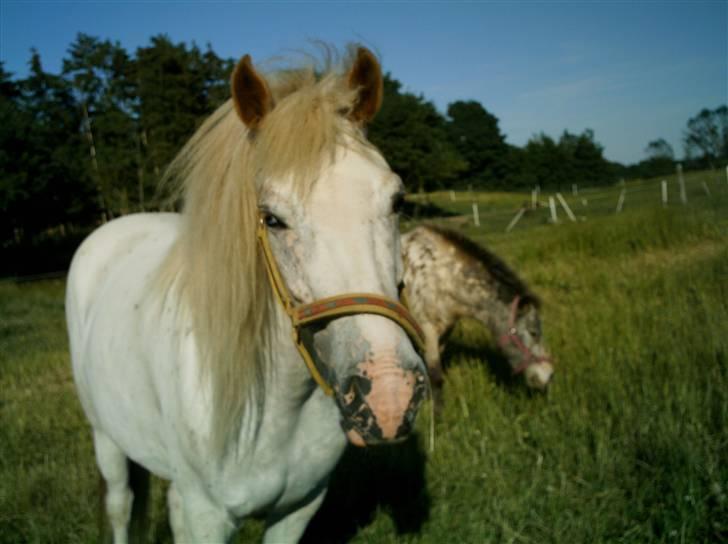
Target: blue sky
x: 631, y: 71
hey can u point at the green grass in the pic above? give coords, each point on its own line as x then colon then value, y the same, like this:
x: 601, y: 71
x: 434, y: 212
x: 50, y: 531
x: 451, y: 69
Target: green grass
x: 629, y: 445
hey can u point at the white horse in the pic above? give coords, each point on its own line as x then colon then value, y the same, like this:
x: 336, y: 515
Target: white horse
x: 181, y: 325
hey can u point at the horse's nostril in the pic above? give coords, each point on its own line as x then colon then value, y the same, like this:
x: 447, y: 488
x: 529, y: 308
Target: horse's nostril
x: 406, y: 427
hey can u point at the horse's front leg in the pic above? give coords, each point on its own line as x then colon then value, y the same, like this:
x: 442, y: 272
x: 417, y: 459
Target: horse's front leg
x: 194, y: 518
x: 289, y: 526
x: 175, y: 506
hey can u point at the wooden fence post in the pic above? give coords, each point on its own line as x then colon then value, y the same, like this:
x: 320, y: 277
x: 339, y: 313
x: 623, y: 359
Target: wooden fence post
x: 681, y: 182
x: 620, y: 202
x: 552, y: 207
x: 566, y: 207
x: 706, y: 189
x: 574, y: 189
x: 663, y: 183
x: 476, y: 216
x: 452, y: 196
x: 515, y: 219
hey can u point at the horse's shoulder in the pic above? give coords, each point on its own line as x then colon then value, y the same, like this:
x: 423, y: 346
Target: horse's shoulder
x: 117, y: 242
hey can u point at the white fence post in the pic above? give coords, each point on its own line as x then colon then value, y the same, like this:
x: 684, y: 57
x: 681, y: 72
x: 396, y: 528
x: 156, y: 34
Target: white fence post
x: 476, y: 216
x: 681, y: 182
x: 664, y: 192
x: 515, y: 219
x: 706, y: 189
x: 452, y: 196
x: 552, y: 207
x: 534, y: 197
x: 620, y: 202
x: 566, y: 207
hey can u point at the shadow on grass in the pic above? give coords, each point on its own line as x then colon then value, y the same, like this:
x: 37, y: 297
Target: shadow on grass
x: 387, y: 478
x: 424, y: 210
x: 495, y: 363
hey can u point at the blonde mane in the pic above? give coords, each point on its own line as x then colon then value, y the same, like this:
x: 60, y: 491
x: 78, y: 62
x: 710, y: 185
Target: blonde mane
x: 216, y: 262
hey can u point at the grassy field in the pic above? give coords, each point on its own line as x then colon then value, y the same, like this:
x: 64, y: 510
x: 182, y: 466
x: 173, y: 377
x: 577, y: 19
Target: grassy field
x: 629, y: 445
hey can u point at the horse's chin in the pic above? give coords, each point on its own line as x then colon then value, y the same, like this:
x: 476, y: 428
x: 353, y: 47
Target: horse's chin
x: 539, y: 376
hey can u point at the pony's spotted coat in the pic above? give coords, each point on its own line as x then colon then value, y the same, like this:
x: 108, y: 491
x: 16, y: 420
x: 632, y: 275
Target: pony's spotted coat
x: 448, y: 277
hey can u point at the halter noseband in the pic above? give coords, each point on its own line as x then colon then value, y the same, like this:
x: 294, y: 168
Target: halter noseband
x: 302, y: 315
x: 511, y: 337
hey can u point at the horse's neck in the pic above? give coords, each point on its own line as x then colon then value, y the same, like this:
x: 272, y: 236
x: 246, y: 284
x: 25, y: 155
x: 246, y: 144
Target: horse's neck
x: 487, y: 307
x: 287, y: 384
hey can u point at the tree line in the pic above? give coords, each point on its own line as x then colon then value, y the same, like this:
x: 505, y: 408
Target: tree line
x: 91, y: 143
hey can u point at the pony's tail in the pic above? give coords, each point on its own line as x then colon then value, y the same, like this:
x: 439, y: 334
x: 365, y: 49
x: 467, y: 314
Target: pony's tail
x: 138, y: 523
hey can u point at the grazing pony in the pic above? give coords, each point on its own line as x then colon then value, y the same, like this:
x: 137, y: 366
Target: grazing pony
x: 447, y: 277
x: 198, y: 339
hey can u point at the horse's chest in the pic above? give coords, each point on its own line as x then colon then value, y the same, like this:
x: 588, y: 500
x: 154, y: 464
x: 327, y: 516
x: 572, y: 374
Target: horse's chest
x: 288, y: 466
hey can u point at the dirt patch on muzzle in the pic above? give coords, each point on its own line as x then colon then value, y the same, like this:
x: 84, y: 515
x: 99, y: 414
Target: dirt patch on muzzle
x: 379, y: 403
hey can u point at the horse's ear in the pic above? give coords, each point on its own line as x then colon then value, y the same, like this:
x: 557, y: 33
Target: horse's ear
x: 366, y: 76
x: 251, y: 95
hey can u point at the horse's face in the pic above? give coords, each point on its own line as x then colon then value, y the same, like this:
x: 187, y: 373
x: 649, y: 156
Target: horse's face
x: 343, y: 237
x: 532, y: 358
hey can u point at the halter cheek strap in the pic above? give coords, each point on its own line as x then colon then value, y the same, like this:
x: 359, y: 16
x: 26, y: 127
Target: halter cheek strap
x: 302, y: 315
x: 511, y: 337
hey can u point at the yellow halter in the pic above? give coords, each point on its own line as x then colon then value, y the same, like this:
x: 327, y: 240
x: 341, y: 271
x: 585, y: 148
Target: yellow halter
x: 332, y: 307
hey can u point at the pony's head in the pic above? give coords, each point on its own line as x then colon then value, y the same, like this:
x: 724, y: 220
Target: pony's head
x: 328, y: 203
x: 522, y: 342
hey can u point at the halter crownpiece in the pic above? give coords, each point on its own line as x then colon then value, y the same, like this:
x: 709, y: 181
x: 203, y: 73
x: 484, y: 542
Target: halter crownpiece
x: 511, y: 337
x: 303, y: 315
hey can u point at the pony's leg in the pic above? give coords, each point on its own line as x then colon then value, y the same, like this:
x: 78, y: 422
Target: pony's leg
x: 176, y: 515
x: 289, y: 527
x: 434, y: 367
x: 115, y: 470
x: 204, y: 521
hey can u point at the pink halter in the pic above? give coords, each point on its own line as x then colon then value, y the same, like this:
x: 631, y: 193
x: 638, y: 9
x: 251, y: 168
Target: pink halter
x: 511, y: 337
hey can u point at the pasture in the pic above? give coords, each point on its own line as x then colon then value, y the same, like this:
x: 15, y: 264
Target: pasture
x: 629, y: 445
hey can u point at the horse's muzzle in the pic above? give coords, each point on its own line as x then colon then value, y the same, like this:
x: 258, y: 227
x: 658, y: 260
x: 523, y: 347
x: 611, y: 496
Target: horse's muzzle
x: 380, y: 406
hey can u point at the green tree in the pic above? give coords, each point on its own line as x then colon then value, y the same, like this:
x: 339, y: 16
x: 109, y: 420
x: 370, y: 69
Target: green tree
x: 177, y: 87
x: 102, y: 76
x: 411, y: 134
x: 586, y: 159
x: 43, y: 185
x: 544, y: 162
x: 475, y: 134
x: 707, y: 135
x: 575, y: 158
x: 659, y: 149
x: 660, y: 160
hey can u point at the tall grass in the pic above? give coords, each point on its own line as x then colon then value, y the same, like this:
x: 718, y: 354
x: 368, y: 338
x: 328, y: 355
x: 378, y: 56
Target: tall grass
x: 629, y: 444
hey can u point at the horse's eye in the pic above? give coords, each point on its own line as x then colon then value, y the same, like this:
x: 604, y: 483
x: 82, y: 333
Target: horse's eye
x: 398, y: 203
x: 273, y: 222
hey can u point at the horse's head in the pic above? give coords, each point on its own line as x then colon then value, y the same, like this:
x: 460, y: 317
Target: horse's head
x: 522, y: 343
x: 329, y: 220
